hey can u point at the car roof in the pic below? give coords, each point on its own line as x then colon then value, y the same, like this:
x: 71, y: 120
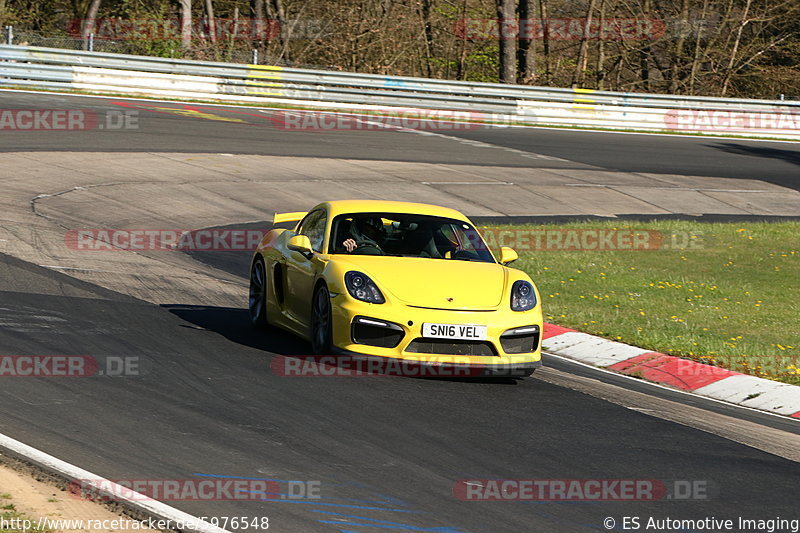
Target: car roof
x: 340, y: 207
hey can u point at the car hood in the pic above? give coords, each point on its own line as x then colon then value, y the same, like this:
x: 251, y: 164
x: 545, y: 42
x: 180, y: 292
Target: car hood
x: 436, y: 283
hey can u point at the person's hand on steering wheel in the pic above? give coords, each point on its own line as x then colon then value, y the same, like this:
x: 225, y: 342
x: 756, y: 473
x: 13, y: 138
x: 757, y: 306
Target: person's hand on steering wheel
x: 365, y: 248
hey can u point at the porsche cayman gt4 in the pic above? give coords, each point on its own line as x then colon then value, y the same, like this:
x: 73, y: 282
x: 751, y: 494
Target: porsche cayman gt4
x: 397, y: 281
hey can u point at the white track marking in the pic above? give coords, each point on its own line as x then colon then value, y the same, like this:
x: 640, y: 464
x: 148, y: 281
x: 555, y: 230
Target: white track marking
x: 468, y: 142
x: 520, y: 126
x: 141, y: 503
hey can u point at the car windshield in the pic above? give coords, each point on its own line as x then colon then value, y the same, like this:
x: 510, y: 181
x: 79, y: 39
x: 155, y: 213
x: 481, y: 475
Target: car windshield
x: 407, y: 235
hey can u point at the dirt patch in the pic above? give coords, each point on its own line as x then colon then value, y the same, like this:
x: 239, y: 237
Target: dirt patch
x: 36, y: 500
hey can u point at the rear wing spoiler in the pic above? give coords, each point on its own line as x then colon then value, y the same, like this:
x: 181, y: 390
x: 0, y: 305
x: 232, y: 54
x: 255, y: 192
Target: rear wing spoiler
x: 280, y: 218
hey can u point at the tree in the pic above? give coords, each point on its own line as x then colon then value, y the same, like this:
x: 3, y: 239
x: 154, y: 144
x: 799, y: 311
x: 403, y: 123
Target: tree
x: 277, y: 13
x: 601, y: 48
x: 645, y: 53
x: 730, y: 71
x: 425, y: 15
x: 545, y: 40
x: 680, y: 42
x: 89, y: 22
x: 257, y: 17
x: 583, y: 50
x: 526, y: 53
x: 186, y: 24
x: 507, y: 39
x: 212, y: 23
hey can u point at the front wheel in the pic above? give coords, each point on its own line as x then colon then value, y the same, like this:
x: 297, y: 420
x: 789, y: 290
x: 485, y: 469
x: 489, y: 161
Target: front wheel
x: 257, y: 303
x: 321, y: 321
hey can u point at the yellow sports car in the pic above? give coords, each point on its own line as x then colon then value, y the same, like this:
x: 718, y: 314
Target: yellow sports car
x: 400, y: 282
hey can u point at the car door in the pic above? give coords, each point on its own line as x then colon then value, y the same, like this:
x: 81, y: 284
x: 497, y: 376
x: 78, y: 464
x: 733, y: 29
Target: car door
x: 301, y: 271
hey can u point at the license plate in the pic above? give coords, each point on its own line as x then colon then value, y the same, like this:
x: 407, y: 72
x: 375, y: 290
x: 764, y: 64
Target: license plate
x: 454, y: 331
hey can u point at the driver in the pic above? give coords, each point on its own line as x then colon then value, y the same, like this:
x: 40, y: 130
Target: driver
x: 365, y: 232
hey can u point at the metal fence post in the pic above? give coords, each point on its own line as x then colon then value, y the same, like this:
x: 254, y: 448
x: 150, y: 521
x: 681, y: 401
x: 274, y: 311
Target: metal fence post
x: 91, y: 42
x: 9, y: 34
x: 255, y: 56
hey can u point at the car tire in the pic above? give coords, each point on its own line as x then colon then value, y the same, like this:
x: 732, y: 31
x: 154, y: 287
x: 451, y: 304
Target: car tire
x: 257, y: 303
x: 321, y: 321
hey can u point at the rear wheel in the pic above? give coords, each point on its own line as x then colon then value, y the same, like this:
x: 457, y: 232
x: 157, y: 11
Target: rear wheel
x: 321, y: 322
x: 258, y: 294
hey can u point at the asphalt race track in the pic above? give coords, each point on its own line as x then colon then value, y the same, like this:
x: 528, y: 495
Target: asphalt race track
x: 774, y: 162
x: 386, y: 453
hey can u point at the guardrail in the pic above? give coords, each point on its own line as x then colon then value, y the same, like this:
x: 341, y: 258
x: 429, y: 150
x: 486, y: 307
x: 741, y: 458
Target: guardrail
x: 51, y: 68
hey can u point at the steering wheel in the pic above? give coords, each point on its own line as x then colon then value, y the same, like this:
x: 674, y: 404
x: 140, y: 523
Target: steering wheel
x: 460, y: 253
x: 367, y: 249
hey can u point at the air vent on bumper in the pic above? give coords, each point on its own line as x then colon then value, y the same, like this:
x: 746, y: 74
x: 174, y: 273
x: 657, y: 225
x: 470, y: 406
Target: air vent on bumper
x: 524, y: 339
x: 374, y: 332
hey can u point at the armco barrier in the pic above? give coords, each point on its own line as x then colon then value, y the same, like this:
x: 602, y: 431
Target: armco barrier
x: 51, y: 68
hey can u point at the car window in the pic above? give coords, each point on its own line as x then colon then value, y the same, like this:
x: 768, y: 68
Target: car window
x: 313, y: 227
x: 412, y: 235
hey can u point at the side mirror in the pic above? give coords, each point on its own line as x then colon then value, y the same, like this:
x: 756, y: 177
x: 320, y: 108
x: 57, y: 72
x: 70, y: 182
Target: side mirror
x: 300, y: 243
x: 507, y: 255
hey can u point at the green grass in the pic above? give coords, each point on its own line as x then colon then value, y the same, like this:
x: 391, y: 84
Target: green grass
x: 727, y: 294
x: 8, y: 513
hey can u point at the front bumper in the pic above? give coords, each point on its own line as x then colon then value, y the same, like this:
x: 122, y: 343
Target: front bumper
x: 412, y: 347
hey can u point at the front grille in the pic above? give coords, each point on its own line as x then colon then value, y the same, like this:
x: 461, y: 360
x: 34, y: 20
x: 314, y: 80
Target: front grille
x: 387, y: 336
x: 449, y: 347
x: 513, y: 342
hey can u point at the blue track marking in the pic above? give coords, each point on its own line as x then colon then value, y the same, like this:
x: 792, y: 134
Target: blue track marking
x: 379, y: 502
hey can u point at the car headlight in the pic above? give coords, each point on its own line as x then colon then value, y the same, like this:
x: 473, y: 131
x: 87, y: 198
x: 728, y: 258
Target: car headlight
x: 362, y: 288
x: 523, y: 297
